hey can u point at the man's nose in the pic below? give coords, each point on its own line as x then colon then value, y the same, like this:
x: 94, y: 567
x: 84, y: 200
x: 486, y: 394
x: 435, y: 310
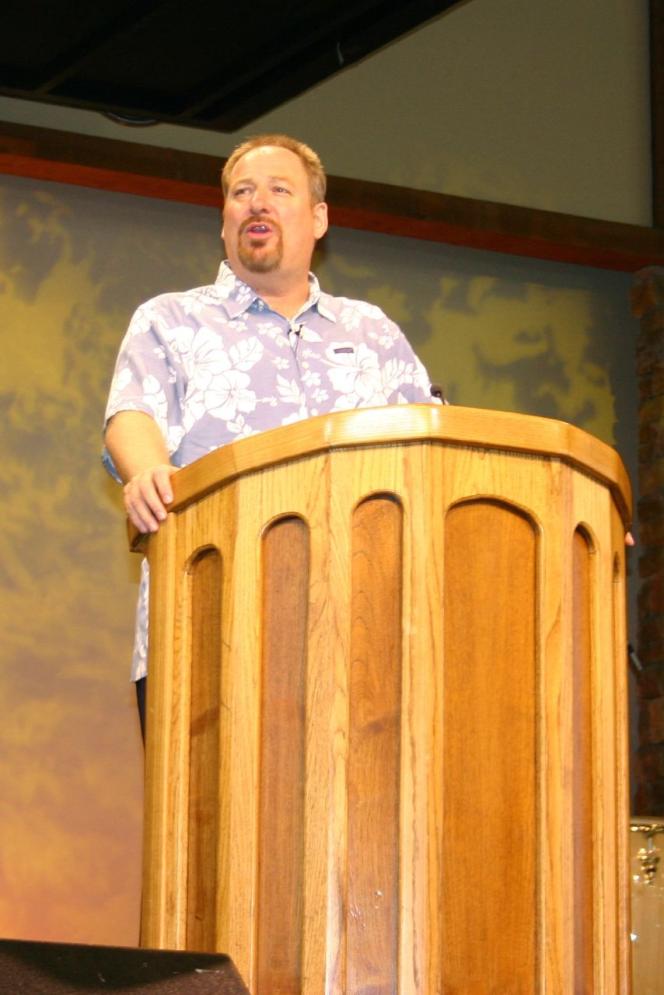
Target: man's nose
x: 259, y: 201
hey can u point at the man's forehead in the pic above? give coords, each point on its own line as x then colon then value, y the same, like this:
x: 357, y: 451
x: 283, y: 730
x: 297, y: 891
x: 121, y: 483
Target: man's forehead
x: 272, y: 160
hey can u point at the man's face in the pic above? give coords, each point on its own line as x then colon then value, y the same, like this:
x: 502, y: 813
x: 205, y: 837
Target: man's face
x: 270, y: 222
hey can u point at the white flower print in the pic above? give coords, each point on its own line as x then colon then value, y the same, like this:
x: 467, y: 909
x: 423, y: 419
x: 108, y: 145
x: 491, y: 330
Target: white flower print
x: 355, y: 375
x: 155, y: 398
x: 239, y: 427
x: 141, y: 322
x: 295, y: 417
x: 199, y: 300
x: 309, y: 335
x: 180, y: 339
x: 273, y: 332
x: 360, y: 377
x: 354, y: 312
x: 344, y: 402
x: 122, y: 379
x: 227, y: 287
x: 219, y: 385
x: 311, y: 379
x: 288, y: 390
x: 387, y: 339
x: 174, y: 437
x: 246, y: 353
x: 385, y: 334
x: 228, y: 394
x: 394, y: 373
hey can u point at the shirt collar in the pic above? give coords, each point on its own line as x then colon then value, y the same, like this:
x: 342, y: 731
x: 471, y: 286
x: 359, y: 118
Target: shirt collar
x: 238, y: 296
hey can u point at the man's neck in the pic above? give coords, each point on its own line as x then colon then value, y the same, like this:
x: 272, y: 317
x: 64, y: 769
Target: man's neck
x: 288, y: 305
x: 283, y: 295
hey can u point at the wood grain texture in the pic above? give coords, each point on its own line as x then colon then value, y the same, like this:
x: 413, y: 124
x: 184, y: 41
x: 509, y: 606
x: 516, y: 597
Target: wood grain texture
x: 205, y: 585
x: 280, y: 928
x: 582, y: 769
x: 409, y: 614
x: 374, y: 747
x: 489, y: 744
x: 498, y: 430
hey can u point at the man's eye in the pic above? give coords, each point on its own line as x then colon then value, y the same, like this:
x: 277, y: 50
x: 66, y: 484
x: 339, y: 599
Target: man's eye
x: 281, y: 189
x: 240, y: 191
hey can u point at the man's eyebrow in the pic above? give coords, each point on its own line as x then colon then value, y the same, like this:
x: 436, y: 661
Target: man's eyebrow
x: 272, y: 179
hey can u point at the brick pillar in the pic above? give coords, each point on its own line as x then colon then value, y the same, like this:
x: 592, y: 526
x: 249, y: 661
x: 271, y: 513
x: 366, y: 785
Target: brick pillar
x: 648, y: 306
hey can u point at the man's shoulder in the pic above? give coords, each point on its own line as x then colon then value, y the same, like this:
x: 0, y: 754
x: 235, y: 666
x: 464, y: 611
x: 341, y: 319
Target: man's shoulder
x: 343, y: 307
x: 174, y: 300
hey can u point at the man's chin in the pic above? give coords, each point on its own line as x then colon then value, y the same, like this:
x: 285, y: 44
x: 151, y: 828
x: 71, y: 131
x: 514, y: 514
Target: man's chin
x: 260, y: 262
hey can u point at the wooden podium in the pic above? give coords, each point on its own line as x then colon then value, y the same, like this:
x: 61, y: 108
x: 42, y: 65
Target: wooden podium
x: 386, y: 746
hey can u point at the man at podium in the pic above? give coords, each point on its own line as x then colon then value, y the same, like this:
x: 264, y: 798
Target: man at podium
x: 261, y: 347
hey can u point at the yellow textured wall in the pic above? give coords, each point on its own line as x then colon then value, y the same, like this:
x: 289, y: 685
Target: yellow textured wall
x: 71, y: 264
x: 497, y: 332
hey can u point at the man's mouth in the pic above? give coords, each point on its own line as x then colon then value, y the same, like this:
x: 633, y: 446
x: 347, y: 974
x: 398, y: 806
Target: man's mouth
x: 257, y: 229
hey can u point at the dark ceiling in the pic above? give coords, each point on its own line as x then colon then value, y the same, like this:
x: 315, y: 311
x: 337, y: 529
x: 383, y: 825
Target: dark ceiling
x: 202, y: 63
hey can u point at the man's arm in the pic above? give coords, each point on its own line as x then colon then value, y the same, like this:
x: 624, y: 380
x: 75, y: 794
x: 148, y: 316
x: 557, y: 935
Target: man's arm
x: 139, y: 453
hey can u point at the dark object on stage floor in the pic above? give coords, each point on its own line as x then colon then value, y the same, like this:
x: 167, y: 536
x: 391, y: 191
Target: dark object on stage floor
x: 31, y: 968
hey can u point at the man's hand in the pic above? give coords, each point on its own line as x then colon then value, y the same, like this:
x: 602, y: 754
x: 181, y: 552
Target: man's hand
x: 147, y: 495
x: 139, y: 452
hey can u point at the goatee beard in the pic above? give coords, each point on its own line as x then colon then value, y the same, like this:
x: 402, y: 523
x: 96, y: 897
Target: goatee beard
x: 257, y: 258
x: 263, y: 263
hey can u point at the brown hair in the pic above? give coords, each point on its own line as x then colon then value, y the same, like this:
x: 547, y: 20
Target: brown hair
x: 307, y: 156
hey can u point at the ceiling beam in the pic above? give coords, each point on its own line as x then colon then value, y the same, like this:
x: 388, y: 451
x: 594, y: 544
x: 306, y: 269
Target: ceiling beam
x: 192, y: 178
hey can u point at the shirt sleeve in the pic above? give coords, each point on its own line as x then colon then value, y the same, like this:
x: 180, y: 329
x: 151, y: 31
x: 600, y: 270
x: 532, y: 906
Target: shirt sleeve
x: 406, y: 375
x: 148, y: 377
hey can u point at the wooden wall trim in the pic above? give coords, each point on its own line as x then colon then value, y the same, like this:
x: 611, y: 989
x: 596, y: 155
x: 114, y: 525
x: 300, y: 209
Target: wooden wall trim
x: 193, y: 178
x: 657, y: 107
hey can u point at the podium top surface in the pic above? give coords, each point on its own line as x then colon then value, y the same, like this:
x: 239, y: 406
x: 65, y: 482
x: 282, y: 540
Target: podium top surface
x: 476, y: 428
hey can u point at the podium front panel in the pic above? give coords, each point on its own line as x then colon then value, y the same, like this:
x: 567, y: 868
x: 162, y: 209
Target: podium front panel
x: 386, y: 705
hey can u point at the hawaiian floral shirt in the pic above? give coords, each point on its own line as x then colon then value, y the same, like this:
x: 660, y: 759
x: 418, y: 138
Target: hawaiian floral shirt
x: 214, y: 364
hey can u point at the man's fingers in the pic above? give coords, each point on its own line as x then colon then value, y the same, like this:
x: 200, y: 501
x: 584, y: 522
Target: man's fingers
x: 162, y: 482
x: 146, y: 496
x: 141, y: 517
x: 145, y: 511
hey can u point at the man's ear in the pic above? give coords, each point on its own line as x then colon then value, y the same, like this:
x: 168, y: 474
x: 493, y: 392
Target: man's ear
x: 320, y: 219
